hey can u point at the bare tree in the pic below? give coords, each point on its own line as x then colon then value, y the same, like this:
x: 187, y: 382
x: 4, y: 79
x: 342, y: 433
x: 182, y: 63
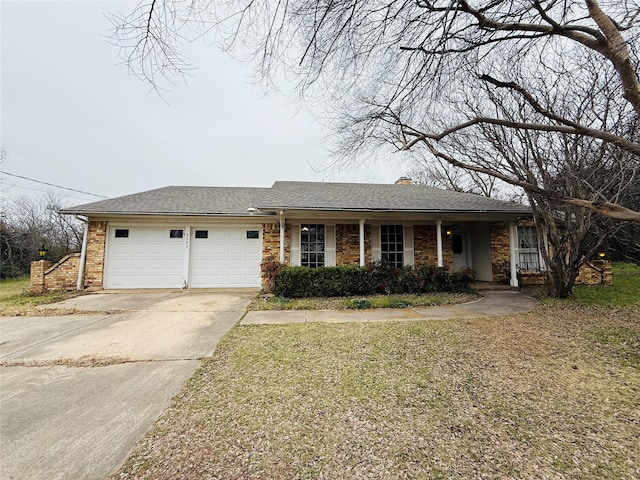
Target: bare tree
x: 395, y: 71
x: 26, y: 224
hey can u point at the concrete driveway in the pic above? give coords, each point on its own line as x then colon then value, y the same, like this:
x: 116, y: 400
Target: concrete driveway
x: 60, y: 418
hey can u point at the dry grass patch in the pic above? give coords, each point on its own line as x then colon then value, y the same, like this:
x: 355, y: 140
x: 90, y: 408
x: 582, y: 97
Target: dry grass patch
x: 86, y: 361
x: 549, y: 394
x: 269, y: 302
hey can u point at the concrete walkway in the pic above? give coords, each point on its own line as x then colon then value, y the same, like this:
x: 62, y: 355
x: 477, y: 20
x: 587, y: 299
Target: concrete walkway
x: 492, y: 304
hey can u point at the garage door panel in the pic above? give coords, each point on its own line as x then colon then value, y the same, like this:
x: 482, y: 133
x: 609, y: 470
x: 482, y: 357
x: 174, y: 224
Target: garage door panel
x: 226, y: 258
x: 147, y: 258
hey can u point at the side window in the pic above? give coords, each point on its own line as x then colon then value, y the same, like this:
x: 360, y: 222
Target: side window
x: 528, y: 250
x: 392, y: 244
x: 312, y: 245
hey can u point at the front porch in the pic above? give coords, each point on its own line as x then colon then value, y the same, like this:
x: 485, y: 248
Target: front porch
x: 483, y: 246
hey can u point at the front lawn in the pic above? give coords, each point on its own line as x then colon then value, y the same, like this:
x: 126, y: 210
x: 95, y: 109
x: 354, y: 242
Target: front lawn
x: 554, y: 393
x: 623, y: 291
x: 15, y: 298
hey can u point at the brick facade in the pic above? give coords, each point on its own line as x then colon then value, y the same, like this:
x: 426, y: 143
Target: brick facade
x: 94, y: 266
x: 348, y: 244
x: 500, y: 252
x: 271, y: 241
x: 425, y: 249
x: 63, y: 275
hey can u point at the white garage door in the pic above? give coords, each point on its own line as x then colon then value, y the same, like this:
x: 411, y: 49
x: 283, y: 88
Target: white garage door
x: 145, y: 258
x: 225, y: 257
x: 155, y: 257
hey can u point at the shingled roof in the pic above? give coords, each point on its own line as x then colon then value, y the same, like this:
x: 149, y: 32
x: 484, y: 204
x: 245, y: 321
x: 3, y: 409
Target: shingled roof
x: 380, y: 197
x: 231, y: 201
x: 356, y: 197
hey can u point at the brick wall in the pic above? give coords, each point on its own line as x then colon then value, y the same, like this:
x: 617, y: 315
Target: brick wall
x: 271, y: 241
x: 36, y: 284
x: 348, y: 244
x: 597, y: 272
x: 94, y: 267
x: 425, y: 246
x: 500, y: 252
x: 62, y: 276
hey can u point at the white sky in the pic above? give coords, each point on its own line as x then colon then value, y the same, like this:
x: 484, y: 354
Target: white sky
x: 71, y: 116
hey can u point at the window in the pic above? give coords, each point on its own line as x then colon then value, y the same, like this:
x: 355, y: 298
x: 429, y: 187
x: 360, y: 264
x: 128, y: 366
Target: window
x: 529, y: 257
x: 312, y: 245
x: 202, y: 233
x: 175, y: 233
x: 122, y: 233
x: 253, y: 234
x: 392, y: 245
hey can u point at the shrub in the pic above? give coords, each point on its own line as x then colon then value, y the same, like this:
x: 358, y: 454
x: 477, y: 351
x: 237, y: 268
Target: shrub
x: 358, y: 304
x: 381, y: 277
x: 296, y: 282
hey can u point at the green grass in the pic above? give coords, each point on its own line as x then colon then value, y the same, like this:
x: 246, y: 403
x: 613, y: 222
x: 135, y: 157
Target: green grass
x: 548, y: 394
x: 623, y: 291
x: 15, y: 297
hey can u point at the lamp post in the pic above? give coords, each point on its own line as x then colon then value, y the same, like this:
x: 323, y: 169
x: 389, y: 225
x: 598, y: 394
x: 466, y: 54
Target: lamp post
x: 42, y: 252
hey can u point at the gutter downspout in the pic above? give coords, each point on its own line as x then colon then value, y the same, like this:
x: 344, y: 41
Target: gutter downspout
x: 83, y: 252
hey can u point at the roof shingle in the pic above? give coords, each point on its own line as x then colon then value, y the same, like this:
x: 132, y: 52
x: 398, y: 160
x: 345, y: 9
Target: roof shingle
x: 234, y: 201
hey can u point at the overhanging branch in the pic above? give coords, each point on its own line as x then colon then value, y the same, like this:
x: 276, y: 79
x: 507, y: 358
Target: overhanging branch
x: 606, y: 209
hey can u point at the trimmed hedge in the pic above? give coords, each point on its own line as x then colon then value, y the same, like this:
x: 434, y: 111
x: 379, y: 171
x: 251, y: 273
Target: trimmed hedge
x: 298, y: 282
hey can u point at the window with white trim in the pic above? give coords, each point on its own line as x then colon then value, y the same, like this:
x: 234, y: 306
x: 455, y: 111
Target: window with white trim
x: 392, y: 244
x: 312, y: 248
x: 528, y: 249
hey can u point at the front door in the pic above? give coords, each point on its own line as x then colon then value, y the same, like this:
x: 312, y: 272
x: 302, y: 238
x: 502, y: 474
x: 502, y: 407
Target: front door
x: 459, y: 249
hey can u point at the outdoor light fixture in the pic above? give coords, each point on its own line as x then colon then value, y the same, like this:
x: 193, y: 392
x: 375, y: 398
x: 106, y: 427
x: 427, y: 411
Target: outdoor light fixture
x: 43, y: 251
x: 602, y: 254
x: 448, y: 232
x: 252, y: 210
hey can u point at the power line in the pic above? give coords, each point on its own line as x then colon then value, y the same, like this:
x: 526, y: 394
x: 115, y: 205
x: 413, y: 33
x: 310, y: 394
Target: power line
x: 51, y: 184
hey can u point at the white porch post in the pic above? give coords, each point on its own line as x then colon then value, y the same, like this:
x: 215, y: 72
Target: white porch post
x: 439, y: 242
x: 282, y: 236
x: 362, y: 242
x: 513, y: 260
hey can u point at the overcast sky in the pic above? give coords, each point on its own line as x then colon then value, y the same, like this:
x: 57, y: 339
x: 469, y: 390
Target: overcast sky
x: 71, y: 116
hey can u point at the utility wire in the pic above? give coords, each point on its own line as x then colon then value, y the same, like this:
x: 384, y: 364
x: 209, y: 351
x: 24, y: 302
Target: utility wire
x: 51, y: 184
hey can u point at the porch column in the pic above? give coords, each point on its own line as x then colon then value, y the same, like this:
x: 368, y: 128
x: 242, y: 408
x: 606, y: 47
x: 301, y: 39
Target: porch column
x: 282, y: 236
x: 362, y: 242
x: 513, y: 260
x: 439, y: 242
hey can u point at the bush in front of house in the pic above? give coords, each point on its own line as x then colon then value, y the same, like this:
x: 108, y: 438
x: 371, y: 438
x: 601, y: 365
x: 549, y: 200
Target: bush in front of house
x: 379, y: 277
x: 297, y: 282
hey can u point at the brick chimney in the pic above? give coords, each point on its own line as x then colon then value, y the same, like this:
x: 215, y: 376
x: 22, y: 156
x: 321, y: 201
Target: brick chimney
x: 404, y: 181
